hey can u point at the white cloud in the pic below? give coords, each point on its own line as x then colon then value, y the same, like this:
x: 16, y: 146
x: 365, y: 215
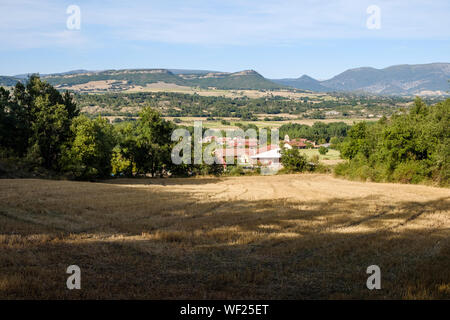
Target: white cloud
x: 41, y: 24
x: 30, y: 24
x: 256, y: 22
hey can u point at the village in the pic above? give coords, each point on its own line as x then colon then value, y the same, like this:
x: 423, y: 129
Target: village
x: 249, y: 153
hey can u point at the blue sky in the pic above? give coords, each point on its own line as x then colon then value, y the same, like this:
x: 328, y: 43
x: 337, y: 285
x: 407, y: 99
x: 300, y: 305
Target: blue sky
x: 276, y: 38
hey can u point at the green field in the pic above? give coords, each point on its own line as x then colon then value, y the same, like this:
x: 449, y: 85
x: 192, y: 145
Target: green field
x: 331, y: 154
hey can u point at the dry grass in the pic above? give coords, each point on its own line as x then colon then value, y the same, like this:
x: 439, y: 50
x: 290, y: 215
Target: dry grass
x: 102, y: 86
x: 254, y: 94
x: 216, y: 124
x: 289, y: 236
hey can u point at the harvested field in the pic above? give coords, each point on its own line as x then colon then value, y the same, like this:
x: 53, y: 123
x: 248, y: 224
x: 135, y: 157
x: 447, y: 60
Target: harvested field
x: 273, y: 237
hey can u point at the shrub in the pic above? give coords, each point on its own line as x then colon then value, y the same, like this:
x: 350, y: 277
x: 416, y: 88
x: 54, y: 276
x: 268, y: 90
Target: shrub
x: 213, y: 169
x: 236, y: 170
x: 409, y: 172
x: 323, y: 150
x: 293, y: 161
x: 334, y: 141
x: 315, y: 159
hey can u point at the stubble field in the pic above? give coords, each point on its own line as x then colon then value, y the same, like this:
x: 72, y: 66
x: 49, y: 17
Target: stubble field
x: 273, y: 237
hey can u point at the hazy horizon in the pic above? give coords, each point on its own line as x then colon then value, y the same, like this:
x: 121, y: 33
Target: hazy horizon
x: 209, y: 69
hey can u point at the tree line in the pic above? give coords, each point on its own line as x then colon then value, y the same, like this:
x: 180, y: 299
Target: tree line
x: 411, y: 147
x: 43, y: 128
x: 193, y: 105
x: 319, y: 132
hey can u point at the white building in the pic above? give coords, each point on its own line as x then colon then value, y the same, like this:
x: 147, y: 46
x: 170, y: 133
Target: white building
x: 269, y: 158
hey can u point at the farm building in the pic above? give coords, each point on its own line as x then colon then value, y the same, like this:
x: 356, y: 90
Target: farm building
x: 243, y: 156
x: 297, y: 143
x: 269, y: 158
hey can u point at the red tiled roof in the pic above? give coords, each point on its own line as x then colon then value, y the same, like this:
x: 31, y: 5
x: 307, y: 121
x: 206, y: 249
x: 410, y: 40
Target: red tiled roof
x: 296, y: 143
x: 299, y: 142
x: 234, y: 152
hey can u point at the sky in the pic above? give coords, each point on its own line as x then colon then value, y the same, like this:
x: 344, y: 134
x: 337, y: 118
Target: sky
x: 279, y: 39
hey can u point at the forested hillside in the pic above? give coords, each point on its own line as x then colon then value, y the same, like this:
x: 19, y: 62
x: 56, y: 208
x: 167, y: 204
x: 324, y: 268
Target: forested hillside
x: 125, y: 79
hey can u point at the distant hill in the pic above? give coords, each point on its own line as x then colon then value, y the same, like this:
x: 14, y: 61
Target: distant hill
x: 399, y: 79
x: 8, y: 81
x: 304, y: 82
x: 247, y: 79
x: 419, y: 79
x: 139, y: 77
x: 26, y: 75
x: 127, y: 78
x: 190, y: 71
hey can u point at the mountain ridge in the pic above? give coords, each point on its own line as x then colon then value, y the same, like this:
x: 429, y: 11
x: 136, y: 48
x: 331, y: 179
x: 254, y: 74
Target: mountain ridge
x: 304, y: 82
x: 404, y: 79
x: 246, y: 79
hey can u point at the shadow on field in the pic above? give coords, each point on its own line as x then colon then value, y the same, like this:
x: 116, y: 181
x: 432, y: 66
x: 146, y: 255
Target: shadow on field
x: 162, y: 181
x: 237, y: 249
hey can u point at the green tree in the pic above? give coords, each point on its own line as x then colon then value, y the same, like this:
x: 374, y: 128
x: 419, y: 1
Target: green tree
x: 126, y: 134
x: 89, y: 154
x: 335, y: 142
x: 409, y: 147
x: 147, y: 144
x: 153, y: 142
x: 49, y: 132
x: 292, y: 160
x: 356, y: 141
x: 35, y: 119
